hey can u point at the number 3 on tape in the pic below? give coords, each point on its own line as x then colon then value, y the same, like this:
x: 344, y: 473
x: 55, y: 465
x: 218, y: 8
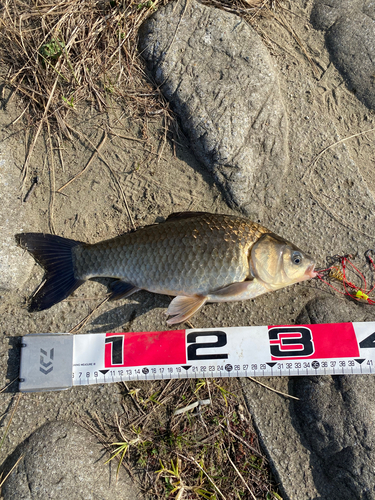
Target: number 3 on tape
x: 336, y: 340
x: 291, y: 342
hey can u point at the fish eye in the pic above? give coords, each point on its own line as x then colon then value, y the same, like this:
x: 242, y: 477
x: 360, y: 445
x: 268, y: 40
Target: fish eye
x: 296, y: 258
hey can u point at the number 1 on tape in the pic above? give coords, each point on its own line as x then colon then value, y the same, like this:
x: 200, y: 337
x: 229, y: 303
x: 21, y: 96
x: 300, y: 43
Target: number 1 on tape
x: 59, y: 361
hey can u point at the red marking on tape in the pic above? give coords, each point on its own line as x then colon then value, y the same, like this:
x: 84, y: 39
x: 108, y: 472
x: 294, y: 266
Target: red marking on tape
x: 330, y: 340
x: 145, y: 349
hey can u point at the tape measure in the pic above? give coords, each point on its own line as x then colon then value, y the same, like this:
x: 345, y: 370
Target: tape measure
x: 59, y: 361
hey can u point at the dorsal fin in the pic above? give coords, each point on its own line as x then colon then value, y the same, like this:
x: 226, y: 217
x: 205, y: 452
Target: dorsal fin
x: 185, y: 215
x: 176, y: 216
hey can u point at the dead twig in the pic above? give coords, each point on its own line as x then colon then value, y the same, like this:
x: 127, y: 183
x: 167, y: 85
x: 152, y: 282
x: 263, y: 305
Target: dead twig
x: 280, y: 19
x: 128, y: 138
x: 95, y: 153
x: 85, y: 320
x: 241, y: 440
x: 192, y: 459
x: 19, y: 117
x: 83, y: 136
x: 240, y: 476
x: 307, y: 179
x: 11, y: 470
x: 31, y: 149
x: 52, y: 183
x: 273, y: 390
x: 8, y: 385
x: 310, y: 168
x: 10, y: 420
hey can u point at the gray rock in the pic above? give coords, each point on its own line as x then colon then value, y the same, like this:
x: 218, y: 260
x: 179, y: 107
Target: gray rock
x: 322, y: 446
x: 335, y: 418
x: 15, y: 217
x: 217, y: 74
x: 64, y: 461
x: 325, y: 14
x: 289, y: 458
x: 350, y: 37
x: 335, y: 415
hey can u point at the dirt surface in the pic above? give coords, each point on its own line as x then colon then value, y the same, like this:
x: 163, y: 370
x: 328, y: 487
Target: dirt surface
x: 329, y: 212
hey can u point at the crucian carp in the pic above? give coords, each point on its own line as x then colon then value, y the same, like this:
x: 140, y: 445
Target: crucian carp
x: 194, y: 256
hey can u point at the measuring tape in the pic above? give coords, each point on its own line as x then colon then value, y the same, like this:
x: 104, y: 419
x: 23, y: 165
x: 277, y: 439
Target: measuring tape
x: 59, y: 361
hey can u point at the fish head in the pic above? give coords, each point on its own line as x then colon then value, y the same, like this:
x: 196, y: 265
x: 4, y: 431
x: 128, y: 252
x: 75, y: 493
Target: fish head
x: 279, y: 263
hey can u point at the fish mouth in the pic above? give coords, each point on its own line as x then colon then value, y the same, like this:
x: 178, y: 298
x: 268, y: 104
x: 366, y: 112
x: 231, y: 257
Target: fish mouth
x: 310, y: 271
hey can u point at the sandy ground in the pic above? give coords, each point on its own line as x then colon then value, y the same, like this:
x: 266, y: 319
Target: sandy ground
x: 327, y: 213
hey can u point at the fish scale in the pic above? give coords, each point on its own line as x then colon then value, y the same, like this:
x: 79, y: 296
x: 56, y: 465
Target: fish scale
x: 194, y: 255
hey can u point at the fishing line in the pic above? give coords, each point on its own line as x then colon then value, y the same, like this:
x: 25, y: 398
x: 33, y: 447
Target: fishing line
x: 341, y: 265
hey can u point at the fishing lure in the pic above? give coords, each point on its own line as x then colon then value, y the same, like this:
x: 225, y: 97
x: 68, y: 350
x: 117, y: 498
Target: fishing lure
x: 338, y: 273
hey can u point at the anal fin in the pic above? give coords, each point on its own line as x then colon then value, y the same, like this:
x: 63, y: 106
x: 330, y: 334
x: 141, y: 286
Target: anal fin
x: 183, y: 307
x: 121, y: 290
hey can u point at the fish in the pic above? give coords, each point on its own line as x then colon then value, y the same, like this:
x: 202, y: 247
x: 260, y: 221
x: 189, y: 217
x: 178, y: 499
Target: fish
x: 197, y: 257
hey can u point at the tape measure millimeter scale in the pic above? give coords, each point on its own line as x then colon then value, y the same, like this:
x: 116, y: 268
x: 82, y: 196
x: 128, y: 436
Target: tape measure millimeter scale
x: 59, y: 361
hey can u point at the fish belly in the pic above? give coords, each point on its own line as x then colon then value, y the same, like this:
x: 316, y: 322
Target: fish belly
x: 178, y: 257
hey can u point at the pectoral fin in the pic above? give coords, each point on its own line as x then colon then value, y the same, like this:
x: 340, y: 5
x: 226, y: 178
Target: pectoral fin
x: 238, y: 291
x: 182, y: 307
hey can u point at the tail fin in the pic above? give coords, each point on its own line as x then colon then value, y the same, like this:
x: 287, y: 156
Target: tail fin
x: 54, y: 254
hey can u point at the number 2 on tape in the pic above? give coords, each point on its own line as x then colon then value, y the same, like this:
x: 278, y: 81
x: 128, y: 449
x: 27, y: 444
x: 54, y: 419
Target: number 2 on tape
x: 193, y: 345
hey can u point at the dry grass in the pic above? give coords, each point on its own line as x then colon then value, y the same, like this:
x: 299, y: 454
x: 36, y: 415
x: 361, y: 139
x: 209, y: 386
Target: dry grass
x: 57, y: 55
x: 209, y: 452
x: 72, y: 50
x: 75, y: 50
